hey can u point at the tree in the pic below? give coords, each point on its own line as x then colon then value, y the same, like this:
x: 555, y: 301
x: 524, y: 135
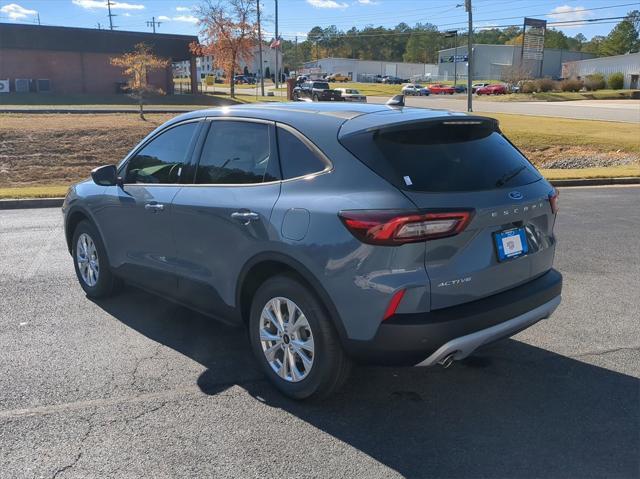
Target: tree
x: 229, y: 32
x: 624, y: 36
x: 136, y: 66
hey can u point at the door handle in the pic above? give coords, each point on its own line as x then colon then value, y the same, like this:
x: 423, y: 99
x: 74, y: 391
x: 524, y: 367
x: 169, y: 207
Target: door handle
x: 154, y: 207
x: 245, y: 217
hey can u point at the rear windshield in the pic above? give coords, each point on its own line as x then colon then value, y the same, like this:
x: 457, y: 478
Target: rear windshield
x: 321, y: 86
x: 442, y: 156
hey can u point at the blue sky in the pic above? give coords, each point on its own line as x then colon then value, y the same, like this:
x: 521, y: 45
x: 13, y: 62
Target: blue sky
x: 297, y: 17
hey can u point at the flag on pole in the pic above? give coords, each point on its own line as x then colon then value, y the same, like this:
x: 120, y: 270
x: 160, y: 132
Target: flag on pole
x: 275, y: 43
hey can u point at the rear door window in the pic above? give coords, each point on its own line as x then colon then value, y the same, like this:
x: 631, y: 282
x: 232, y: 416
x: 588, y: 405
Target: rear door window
x: 237, y: 152
x: 442, y: 156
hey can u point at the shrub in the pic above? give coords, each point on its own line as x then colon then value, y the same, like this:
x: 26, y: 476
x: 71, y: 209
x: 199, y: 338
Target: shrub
x: 528, y: 87
x: 571, y: 84
x: 544, y: 84
x: 594, y: 82
x: 616, y: 81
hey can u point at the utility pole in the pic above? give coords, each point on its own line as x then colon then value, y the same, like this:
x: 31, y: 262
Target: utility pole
x: 38, y: 18
x: 467, y: 6
x: 296, y: 56
x: 261, y: 67
x: 111, y: 15
x: 99, y: 26
x: 277, y: 47
x: 153, y: 24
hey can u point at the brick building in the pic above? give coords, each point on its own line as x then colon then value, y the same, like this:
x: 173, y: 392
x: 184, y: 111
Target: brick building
x: 77, y: 60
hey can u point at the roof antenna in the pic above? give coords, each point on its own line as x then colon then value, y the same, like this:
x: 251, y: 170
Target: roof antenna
x: 397, y: 100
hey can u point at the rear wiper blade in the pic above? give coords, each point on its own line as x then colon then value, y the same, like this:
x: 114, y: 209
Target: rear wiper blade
x: 510, y: 175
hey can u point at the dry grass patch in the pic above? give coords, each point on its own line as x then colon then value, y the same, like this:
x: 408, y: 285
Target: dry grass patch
x: 62, y: 148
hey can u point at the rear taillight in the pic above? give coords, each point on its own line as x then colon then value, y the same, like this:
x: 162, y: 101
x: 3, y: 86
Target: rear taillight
x: 553, y: 200
x: 392, y: 227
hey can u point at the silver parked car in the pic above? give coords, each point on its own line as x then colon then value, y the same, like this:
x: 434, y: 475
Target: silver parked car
x: 332, y: 232
x: 353, y: 95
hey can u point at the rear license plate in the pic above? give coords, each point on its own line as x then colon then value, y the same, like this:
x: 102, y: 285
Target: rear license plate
x: 511, y: 243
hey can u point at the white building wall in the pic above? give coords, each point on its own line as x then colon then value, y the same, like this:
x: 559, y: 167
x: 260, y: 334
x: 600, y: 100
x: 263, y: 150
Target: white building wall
x: 628, y: 65
x: 206, y: 66
x: 359, y: 68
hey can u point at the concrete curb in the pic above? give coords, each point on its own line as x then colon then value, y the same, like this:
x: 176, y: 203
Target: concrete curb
x: 57, y: 202
x: 31, y: 203
x: 597, y: 181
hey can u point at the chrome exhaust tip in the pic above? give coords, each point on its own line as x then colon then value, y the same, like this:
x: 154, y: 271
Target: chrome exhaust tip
x: 447, y: 361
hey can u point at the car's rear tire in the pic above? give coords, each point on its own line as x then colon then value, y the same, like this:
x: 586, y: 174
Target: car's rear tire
x: 91, y: 263
x: 299, y: 349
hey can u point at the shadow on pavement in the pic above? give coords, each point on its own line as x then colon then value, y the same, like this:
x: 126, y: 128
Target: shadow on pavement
x: 512, y: 410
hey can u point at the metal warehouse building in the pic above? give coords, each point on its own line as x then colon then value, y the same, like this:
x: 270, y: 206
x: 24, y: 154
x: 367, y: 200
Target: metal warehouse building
x: 489, y: 61
x: 628, y: 65
x: 365, y: 70
x: 65, y: 60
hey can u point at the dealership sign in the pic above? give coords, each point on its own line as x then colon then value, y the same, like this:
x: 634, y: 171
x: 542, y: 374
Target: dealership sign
x: 533, y: 41
x: 459, y: 59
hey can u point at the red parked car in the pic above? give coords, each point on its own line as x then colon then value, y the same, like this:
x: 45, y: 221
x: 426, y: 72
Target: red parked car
x: 497, y: 89
x: 440, y: 89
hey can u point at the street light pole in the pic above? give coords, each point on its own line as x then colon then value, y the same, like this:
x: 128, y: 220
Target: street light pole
x: 260, y: 49
x: 467, y: 5
x: 277, y: 47
x: 454, y: 34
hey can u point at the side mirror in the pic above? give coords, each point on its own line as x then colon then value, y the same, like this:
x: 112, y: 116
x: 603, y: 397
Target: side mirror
x: 105, y: 175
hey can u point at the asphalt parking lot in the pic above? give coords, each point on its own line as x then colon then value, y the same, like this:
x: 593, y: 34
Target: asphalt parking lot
x: 137, y: 387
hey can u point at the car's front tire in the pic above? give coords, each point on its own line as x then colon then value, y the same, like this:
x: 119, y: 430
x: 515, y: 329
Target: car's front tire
x: 91, y: 263
x: 315, y: 98
x: 294, y: 340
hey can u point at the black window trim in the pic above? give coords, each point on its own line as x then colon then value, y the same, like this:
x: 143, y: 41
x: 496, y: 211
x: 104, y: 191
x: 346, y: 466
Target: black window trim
x: 187, y: 160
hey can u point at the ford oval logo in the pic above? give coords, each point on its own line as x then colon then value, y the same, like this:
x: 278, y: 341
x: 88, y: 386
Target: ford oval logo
x: 515, y: 195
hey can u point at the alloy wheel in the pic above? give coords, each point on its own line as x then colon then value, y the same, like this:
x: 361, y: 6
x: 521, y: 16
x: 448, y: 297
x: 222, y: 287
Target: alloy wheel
x: 87, y: 259
x: 286, y: 339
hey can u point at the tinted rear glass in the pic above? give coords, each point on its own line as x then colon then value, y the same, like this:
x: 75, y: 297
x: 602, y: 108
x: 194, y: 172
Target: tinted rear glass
x: 440, y: 157
x: 321, y: 86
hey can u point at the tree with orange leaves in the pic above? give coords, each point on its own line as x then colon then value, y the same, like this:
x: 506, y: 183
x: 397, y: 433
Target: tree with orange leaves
x: 136, y: 66
x: 229, y: 31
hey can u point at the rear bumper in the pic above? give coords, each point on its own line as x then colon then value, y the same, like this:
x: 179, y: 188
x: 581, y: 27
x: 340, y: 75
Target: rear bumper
x: 425, y: 339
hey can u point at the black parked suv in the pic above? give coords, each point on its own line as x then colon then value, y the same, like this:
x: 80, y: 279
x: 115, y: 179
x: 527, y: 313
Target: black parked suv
x: 316, y: 91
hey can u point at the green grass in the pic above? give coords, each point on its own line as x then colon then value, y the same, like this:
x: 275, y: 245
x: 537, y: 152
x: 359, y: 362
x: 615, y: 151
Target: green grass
x: 53, y: 191
x: 539, y: 133
x: 583, y: 173
x: 564, y: 96
x: 16, y: 99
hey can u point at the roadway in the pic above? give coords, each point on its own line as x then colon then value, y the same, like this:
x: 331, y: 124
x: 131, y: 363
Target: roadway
x: 135, y: 386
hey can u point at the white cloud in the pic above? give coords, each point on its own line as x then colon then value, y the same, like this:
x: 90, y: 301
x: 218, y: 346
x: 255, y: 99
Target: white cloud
x: 367, y: 2
x: 178, y: 18
x: 115, y: 5
x: 185, y: 18
x: 566, y: 13
x: 326, y: 4
x: 17, y: 12
x: 183, y: 9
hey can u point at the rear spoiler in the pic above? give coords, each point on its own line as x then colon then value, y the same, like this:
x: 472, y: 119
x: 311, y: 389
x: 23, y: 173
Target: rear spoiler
x: 357, y: 125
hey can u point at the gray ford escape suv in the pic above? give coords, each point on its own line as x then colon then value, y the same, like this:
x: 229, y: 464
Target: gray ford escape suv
x: 334, y: 232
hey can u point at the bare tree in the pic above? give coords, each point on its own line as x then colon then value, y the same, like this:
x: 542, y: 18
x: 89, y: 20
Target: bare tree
x: 136, y: 66
x: 229, y: 30
x: 516, y: 74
